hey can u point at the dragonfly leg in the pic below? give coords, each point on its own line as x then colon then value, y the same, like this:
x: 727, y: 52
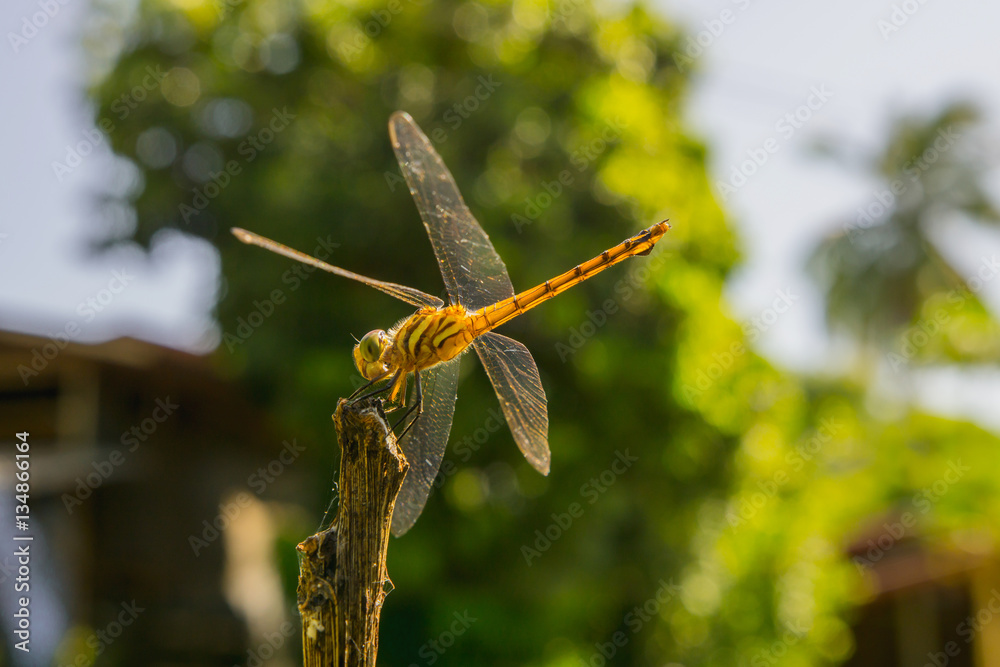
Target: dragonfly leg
x: 368, y: 384
x: 353, y: 398
x: 418, y: 405
x: 363, y: 387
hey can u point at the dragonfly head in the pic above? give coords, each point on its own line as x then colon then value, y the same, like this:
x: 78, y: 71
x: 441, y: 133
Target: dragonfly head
x: 368, y: 352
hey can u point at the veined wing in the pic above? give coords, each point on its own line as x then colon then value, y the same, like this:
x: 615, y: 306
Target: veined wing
x: 472, y: 270
x: 425, y: 442
x: 515, y: 379
x: 401, y: 292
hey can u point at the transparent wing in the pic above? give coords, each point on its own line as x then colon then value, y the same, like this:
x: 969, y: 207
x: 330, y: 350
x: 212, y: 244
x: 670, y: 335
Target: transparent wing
x: 515, y: 379
x: 401, y: 292
x: 472, y: 270
x: 424, y: 444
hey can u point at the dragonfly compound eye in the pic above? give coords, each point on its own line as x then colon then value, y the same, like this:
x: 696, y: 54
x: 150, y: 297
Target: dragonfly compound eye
x: 372, y: 345
x: 367, y: 353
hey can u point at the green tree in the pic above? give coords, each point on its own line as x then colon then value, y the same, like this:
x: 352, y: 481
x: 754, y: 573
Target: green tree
x: 777, y: 585
x: 562, y: 126
x: 886, y: 280
x: 514, y: 96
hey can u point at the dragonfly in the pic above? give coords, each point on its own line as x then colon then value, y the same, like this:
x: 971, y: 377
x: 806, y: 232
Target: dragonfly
x: 429, y: 343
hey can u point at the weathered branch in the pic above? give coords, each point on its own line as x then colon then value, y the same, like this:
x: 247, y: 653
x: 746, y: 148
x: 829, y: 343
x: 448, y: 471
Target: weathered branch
x: 342, y: 574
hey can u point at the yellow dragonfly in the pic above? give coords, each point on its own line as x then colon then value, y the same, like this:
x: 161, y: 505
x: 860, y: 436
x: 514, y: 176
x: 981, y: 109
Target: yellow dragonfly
x: 429, y: 342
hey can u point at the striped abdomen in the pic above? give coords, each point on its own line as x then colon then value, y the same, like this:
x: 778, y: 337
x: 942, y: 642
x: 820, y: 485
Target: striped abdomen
x: 493, y: 316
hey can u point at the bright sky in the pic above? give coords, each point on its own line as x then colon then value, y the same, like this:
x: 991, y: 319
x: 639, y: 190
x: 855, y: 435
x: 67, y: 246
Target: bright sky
x: 763, y: 64
x: 764, y: 60
x: 46, y: 276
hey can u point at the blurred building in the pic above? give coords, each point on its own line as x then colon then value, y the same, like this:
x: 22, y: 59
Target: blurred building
x: 153, y: 544
x: 932, y: 606
x: 134, y: 447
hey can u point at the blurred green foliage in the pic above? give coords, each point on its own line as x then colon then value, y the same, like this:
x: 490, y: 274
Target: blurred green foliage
x: 883, y: 273
x: 644, y: 361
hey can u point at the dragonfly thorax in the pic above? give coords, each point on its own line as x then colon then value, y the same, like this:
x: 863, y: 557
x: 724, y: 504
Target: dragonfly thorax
x: 428, y: 337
